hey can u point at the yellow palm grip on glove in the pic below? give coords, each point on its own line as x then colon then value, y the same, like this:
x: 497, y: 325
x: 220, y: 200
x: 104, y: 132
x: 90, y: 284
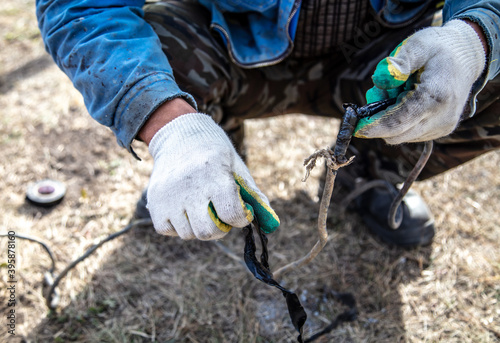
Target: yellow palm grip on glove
x: 253, y: 205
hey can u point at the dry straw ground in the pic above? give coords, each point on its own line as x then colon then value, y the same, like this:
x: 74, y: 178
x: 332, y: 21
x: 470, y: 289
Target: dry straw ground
x: 148, y: 288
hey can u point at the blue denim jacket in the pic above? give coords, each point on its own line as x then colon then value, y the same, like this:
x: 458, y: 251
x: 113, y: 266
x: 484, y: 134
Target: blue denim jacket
x: 114, y: 57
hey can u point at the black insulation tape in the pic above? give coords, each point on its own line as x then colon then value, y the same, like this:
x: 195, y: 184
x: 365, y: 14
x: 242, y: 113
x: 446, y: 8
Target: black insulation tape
x: 261, y: 271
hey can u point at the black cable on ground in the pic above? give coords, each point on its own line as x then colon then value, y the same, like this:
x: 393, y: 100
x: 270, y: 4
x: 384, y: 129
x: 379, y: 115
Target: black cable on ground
x: 296, y: 310
x: 53, y: 281
x: 36, y: 240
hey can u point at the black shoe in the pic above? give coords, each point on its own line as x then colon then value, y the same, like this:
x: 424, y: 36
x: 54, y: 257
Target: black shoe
x: 417, y: 227
x: 141, y: 212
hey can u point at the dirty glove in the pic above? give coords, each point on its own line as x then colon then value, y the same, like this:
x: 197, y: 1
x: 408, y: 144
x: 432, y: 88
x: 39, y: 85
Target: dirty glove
x: 431, y: 73
x: 200, y: 187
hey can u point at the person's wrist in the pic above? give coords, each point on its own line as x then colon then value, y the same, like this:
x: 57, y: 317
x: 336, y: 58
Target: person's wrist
x: 164, y: 114
x: 480, y: 34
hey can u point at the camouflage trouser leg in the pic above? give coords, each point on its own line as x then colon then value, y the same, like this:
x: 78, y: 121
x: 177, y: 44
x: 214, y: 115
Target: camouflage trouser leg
x: 316, y: 86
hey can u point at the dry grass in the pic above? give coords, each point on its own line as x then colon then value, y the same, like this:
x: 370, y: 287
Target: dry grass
x: 147, y: 288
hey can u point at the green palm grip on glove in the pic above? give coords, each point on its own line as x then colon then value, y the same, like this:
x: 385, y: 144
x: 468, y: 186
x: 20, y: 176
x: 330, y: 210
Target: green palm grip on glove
x: 253, y: 205
x: 386, y: 75
x: 389, y: 82
x: 268, y: 219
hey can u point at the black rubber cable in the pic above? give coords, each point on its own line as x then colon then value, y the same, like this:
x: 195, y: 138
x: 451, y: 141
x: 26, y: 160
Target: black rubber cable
x: 52, y: 281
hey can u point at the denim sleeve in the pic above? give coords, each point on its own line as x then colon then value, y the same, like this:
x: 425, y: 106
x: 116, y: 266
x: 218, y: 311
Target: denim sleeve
x: 486, y: 13
x: 113, y: 57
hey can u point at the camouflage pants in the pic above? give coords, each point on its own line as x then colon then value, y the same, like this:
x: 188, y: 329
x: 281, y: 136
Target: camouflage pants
x: 316, y: 86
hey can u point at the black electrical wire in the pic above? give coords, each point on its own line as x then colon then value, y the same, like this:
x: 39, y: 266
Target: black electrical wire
x: 52, y: 297
x: 36, y: 240
x: 135, y: 223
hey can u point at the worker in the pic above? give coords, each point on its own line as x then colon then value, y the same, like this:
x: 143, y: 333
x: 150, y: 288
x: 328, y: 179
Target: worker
x: 182, y: 76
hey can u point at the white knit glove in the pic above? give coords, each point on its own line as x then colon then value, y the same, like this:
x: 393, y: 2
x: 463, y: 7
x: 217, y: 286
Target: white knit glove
x: 431, y: 73
x: 200, y: 187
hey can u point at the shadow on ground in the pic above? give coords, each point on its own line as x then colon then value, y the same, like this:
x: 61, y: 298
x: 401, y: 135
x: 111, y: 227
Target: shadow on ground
x: 34, y: 66
x: 158, y: 289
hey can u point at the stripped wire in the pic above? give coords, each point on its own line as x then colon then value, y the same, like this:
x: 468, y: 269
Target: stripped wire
x: 332, y: 167
x: 334, y: 161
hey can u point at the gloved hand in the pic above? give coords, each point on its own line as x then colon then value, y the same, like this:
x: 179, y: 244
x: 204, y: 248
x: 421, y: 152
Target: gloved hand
x: 431, y: 73
x: 200, y: 187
